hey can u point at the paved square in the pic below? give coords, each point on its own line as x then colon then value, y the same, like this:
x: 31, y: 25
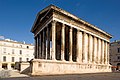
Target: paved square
x: 94, y: 76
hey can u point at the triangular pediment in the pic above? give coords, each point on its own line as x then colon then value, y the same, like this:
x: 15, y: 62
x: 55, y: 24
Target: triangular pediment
x: 49, y: 11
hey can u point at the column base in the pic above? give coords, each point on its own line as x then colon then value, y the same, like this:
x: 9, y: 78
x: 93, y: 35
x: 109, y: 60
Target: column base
x: 84, y: 61
x: 63, y: 60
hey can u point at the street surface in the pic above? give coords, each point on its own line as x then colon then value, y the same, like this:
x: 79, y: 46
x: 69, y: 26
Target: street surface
x: 94, y: 76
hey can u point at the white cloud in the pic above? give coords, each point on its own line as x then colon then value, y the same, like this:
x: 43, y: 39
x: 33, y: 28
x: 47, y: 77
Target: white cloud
x: 2, y: 37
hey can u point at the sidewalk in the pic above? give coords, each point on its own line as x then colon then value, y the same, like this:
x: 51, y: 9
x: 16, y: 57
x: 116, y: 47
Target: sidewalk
x: 11, y: 73
x: 91, y: 76
x: 15, y: 73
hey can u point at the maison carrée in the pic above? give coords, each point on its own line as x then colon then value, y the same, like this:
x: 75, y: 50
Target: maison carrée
x: 66, y: 44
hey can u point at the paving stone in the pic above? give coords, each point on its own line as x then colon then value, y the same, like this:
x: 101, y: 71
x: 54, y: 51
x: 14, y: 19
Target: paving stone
x: 92, y: 76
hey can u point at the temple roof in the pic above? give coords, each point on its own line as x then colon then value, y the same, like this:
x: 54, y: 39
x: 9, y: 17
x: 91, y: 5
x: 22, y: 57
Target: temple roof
x: 67, y: 14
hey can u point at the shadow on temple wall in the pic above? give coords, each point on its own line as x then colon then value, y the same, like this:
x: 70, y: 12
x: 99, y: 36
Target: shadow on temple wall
x: 26, y: 71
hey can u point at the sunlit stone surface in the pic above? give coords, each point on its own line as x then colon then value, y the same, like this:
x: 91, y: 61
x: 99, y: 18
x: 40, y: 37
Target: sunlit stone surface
x: 65, y: 44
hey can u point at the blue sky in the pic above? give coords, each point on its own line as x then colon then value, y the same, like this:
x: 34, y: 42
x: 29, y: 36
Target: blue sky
x: 17, y: 16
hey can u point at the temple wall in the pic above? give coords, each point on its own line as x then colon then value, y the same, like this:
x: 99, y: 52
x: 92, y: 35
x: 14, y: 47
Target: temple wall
x: 47, y: 67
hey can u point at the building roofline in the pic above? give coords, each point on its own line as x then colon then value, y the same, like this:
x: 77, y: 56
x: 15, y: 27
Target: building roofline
x: 16, y: 42
x: 70, y: 15
x: 115, y: 41
x: 40, y: 12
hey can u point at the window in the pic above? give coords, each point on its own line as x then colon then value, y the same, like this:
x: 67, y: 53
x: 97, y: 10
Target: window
x: 12, y: 51
x: 21, y: 46
x: 118, y: 42
x: 20, y: 59
x: 4, y: 50
x: 119, y: 57
x: 4, y: 58
x: 27, y: 47
x: 20, y: 51
x: 27, y: 59
x: 13, y: 59
x: 118, y: 50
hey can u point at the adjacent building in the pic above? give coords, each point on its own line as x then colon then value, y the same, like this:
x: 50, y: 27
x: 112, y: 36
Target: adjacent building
x: 13, y: 51
x: 66, y: 44
x: 115, y: 55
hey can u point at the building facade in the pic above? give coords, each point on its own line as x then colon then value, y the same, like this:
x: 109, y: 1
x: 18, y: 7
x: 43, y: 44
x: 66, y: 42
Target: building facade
x: 13, y: 51
x: 115, y: 55
x: 76, y: 46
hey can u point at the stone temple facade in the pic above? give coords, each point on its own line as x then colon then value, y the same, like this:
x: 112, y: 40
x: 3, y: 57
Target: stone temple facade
x: 66, y: 44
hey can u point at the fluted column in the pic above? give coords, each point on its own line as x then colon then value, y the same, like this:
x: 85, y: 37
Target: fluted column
x: 45, y: 51
x: 105, y: 53
x: 63, y: 42
x: 43, y: 45
x: 40, y: 54
x: 37, y: 47
x: 99, y: 51
x: 79, y: 46
x: 90, y: 49
x: 95, y: 50
x: 0, y: 65
x: 102, y: 55
x: 70, y: 45
x: 85, y: 48
x: 53, y: 40
x: 48, y: 43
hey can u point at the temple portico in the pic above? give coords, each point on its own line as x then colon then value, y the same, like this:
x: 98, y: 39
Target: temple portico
x: 81, y: 47
x: 65, y: 44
